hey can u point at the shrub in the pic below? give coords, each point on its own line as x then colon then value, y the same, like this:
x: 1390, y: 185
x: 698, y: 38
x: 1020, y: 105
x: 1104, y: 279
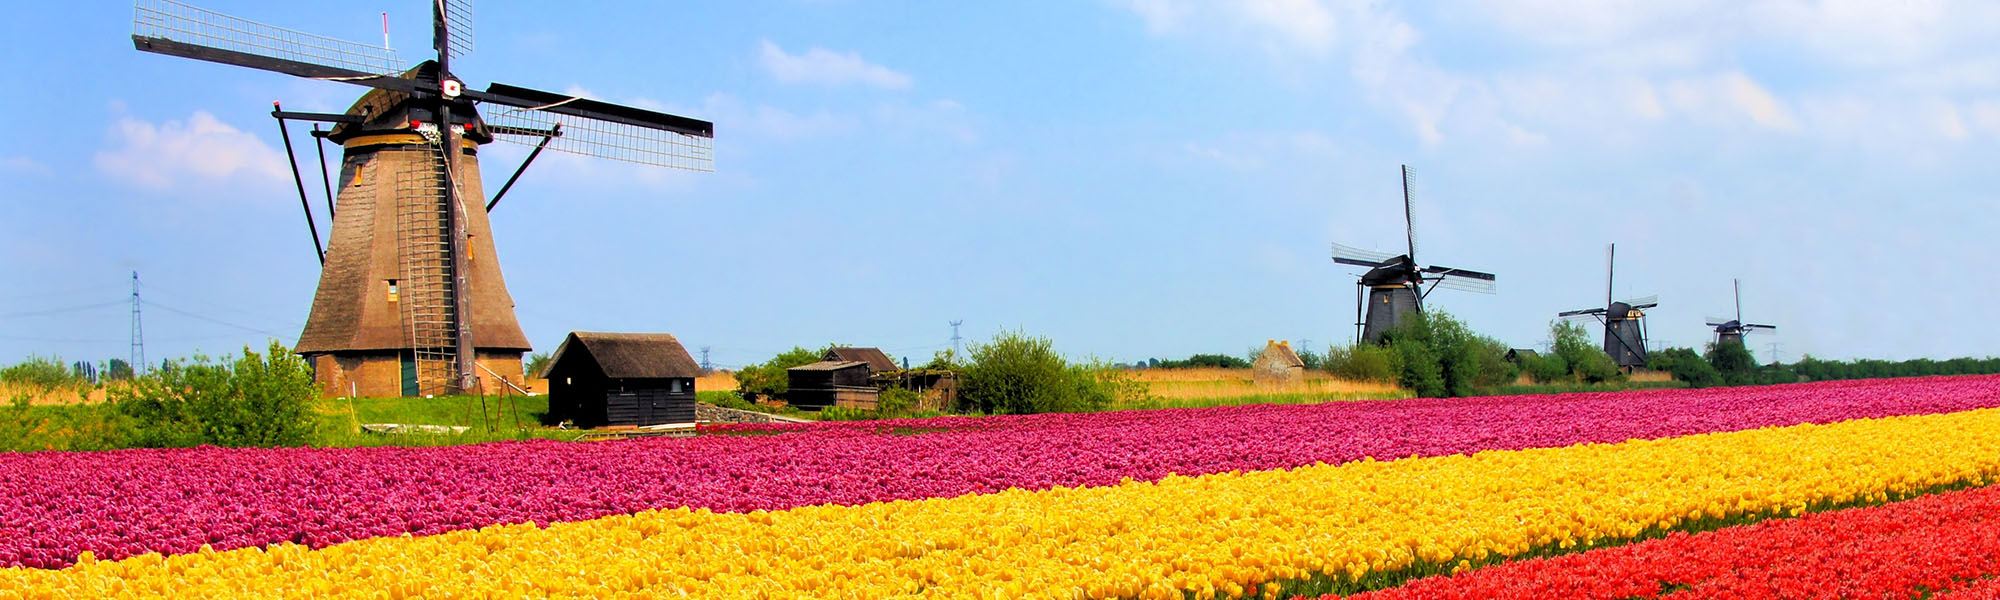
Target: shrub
x: 1362, y: 362
x: 896, y: 401
x: 1463, y: 361
x: 1420, y: 372
x: 256, y: 400
x: 1019, y: 374
x: 42, y: 375
x: 1546, y: 368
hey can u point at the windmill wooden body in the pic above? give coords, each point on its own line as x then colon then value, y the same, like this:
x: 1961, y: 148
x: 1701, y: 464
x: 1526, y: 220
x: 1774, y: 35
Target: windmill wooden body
x: 411, y: 300
x: 1393, y: 286
x: 1733, y: 330
x: 1624, y: 322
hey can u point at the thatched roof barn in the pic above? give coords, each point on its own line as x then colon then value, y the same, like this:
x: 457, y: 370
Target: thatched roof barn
x: 621, y: 379
x: 1278, y: 364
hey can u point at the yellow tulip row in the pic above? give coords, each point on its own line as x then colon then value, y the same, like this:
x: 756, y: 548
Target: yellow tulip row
x: 1224, y: 535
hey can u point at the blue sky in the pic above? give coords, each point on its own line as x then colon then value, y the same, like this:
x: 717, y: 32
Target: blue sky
x: 1131, y: 178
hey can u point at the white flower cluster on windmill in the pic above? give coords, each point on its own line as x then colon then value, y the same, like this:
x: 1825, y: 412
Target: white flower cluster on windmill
x: 408, y: 273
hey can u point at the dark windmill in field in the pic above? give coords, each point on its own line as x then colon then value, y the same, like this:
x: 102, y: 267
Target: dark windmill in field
x: 1394, y: 285
x: 1624, y: 322
x: 410, y: 298
x: 1733, y: 330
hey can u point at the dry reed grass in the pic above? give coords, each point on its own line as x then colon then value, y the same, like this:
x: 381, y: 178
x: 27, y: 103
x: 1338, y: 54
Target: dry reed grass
x: 92, y: 395
x: 719, y: 381
x: 1205, y: 383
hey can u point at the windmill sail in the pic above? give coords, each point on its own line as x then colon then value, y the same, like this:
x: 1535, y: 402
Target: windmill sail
x: 458, y: 17
x: 600, y: 129
x: 169, y: 27
x: 1349, y: 255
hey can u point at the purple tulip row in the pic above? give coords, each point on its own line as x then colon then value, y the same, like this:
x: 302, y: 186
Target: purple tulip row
x: 54, y: 505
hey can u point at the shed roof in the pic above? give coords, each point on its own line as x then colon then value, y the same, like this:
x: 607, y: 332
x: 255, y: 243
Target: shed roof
x: 628, y: 355
x: 876, y: 359
x: 1281, y: 353
x: 829, y: 365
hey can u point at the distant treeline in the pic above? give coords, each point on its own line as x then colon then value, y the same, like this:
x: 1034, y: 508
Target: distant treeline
x: 1814, y: 369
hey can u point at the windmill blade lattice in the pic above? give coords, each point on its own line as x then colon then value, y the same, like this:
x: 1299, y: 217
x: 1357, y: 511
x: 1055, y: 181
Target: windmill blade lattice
x: 177, y: 22
x: 458, y: 18
x: 603, y: 139
x: 1349, y: 255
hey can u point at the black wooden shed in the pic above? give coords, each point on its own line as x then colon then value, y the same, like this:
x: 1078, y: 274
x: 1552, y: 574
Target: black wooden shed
x: 830, y: 383
x: 611, y: 379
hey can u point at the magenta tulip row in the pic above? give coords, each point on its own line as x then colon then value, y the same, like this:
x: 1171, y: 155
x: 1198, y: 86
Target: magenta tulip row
x: 55, y: 505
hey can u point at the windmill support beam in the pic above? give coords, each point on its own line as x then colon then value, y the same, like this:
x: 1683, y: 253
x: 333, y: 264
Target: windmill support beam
x: 311, y: 226
x: 552, y: 133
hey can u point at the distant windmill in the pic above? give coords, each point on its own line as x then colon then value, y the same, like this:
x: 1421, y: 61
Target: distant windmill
x: 1394, y: 284
x: 410, y: 296
x: 1733, y: 330
x: 1624, y: 322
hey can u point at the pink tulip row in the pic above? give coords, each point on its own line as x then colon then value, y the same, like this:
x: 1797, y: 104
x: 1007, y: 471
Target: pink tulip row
x: 55, y: 505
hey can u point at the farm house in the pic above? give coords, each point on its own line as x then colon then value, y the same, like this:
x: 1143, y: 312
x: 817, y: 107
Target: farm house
x: 621, y: 379
x: 1278, y: 364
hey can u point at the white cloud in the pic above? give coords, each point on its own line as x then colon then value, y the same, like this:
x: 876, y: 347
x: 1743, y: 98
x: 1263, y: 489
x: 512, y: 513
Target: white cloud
x: 1282, y: 26
x: 22, y: 164
x: 1762, y: 108
x: 1161, y: 16
x: 201, y: 149
x: 1305, y: 23
x: 825, y: 67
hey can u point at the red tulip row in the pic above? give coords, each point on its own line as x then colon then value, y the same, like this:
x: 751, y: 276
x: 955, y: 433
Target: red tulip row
x: 1898, y: 550
x: 55, y: 505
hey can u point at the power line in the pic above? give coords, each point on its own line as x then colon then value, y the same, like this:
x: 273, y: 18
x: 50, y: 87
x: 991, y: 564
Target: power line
x: 955, y: 348
x: 212, y: 319
x: 58, y: 311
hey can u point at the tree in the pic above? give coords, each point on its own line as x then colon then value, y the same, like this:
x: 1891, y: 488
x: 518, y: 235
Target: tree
x: 1685, y: 366
x: 1587, y: 362
x: 1733, y: 361
x: 1463, y: 361
x: 536, y: 362
x: 118, y: 370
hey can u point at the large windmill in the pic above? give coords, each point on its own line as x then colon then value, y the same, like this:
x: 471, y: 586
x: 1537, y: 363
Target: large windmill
x: 1394, y: 285
x: 1624, y: 322
x: 1728, y: 330
x: 410, y: 297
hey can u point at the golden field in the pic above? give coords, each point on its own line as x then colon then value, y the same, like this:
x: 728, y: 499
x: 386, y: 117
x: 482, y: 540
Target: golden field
x: 1204, y: 383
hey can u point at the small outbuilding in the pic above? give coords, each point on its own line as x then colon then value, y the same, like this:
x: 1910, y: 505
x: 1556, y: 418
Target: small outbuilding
x: 1278, y: 364
x: 621, y: 379
x: 831, y: 383
x: 878, y: 361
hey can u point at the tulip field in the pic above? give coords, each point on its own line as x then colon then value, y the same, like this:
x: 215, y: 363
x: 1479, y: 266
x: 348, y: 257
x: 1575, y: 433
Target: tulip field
x: 1851, y: 489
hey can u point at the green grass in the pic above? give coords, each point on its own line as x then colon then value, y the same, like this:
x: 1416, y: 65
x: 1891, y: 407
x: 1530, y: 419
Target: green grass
x: 494, y: 420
